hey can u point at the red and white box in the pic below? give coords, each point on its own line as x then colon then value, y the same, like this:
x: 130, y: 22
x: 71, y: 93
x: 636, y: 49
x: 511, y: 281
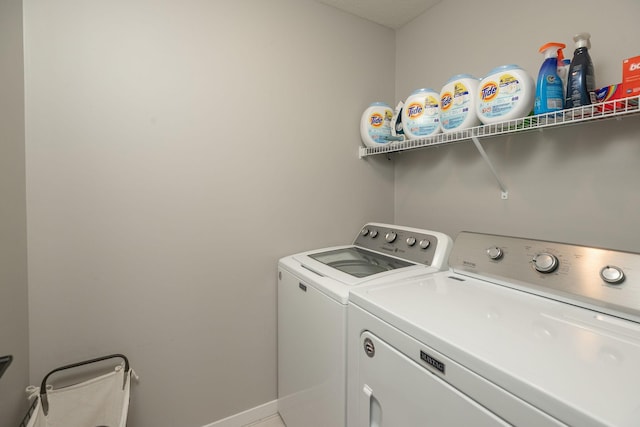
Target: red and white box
x: 631, y: 77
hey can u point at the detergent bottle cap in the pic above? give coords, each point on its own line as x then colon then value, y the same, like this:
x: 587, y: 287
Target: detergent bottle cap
x: 582, y: 40
x: 560, y: 55
x: 560, y: 58
x: 552, y: 49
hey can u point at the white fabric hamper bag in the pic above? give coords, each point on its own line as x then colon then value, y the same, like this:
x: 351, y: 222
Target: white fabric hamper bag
x: 102, y: 401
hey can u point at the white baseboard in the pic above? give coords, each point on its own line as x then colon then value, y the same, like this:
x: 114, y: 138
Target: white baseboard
x: 249, y: 416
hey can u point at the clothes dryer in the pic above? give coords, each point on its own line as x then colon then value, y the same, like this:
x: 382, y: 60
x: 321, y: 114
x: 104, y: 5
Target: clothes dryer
x: 518, y: 332
x: 313, y: 290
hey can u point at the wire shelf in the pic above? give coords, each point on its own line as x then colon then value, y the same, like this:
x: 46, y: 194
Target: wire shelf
x: 600, y: 111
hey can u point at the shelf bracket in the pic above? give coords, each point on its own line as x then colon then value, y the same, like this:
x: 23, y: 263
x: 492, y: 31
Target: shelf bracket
x: 476, y: 141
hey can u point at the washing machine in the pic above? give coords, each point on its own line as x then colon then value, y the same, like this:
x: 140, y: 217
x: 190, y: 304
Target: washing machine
x: 518, y: 332
x: 313, y: 290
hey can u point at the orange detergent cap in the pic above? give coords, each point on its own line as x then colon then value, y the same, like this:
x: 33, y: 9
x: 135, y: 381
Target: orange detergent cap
x: 560, y: 56
x: 552, y: 44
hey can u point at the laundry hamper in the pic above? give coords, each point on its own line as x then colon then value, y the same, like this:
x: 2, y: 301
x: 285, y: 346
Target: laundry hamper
x: 100, y: 401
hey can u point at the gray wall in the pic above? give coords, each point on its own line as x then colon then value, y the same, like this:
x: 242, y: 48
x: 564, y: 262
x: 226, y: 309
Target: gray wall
x: 575, y: 184
x: 13, y: 237
x: 175, y: 150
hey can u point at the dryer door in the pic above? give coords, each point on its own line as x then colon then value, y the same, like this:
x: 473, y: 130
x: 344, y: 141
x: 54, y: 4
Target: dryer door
x: 396, y: 391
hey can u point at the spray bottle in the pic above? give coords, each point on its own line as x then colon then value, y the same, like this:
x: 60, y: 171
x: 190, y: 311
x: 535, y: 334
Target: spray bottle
x: 581, y: 83
x: 563, y: 71
x: 549, y: 90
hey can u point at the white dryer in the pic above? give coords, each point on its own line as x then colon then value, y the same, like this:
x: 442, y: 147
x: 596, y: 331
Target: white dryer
x: 313, y: 290
x: 519, y: 332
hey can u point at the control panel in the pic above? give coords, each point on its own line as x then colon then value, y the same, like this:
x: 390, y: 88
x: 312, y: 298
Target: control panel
x: 420, y: 246
x: 601, y: 279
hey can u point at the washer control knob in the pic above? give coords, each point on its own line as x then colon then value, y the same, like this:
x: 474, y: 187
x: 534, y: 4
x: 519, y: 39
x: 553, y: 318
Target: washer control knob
x: 373, y: 234
x: 411, y: 241
x: 424, y: 243
x: 364, y: 232
x: 612, y: 274
x: 390, y: 237
x: 495, y: 253
x: 545, y: 262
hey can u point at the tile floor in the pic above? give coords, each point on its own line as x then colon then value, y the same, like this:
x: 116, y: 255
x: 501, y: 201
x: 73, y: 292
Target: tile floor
x: 272, y: 421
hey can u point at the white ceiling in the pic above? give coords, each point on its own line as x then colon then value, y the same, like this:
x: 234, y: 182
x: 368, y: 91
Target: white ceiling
x: 390, y: 13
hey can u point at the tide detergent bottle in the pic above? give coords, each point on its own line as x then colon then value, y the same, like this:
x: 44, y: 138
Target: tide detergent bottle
x: 375, y: 125
x: 549, y: 88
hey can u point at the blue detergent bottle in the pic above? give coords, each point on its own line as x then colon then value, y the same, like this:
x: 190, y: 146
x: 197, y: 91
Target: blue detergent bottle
x: 549, y: 89
x: 581, y: 83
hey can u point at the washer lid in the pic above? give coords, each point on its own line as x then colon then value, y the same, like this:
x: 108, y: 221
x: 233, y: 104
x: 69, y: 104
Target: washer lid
x: 577, y: 365
x: 359, y: 262
x: 337, y: 283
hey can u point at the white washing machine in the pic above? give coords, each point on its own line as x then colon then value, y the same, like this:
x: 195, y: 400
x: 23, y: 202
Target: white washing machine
x: 313, y: 290
x: 518, y: 332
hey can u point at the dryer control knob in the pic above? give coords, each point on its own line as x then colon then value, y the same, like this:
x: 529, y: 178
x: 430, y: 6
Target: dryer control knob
x: 545, y: 262
x: 373, y: 234
x: 411, y: 241
x: 495, y: 253
x: 364, y: 232
x: 424, y: 243
x: 612, y: 275
x: 390, y: 237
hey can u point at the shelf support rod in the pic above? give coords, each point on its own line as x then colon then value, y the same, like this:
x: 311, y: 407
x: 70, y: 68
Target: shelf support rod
x: 476, y: 141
